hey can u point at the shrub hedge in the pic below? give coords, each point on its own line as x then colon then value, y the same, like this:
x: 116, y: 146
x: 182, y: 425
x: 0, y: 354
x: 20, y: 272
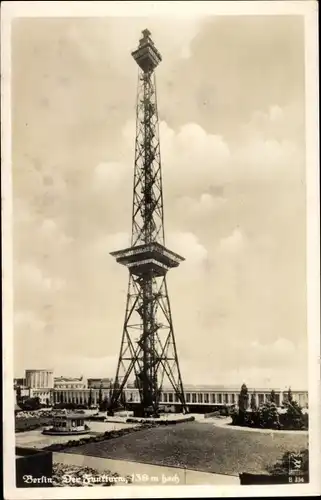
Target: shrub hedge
x: 31, y: 423
x: 268, y: 417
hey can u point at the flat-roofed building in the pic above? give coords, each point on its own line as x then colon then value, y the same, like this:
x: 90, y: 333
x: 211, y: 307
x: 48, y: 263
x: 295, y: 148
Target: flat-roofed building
x: 39, y: 379
x: 196, y: 396
x: 96, y: 383
x: 70, y: 383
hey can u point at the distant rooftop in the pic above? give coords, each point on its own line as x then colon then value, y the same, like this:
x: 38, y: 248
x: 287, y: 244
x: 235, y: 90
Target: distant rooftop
x: 68, y: 379
x: 71, y: 415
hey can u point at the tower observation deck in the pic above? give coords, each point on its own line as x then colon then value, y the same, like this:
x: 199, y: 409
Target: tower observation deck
x: 148, y: 353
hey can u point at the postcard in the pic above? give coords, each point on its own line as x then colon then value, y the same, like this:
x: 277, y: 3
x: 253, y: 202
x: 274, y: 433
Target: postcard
x: 160, y: 249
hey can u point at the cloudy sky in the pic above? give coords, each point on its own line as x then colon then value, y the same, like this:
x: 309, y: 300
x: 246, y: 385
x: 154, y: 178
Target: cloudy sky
x: 231, y: 105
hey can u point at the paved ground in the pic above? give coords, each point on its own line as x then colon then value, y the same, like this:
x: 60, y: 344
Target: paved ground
x: 35, y: 439
x: 196, y: 446
x: 143, y: 474
x: 108, y: 426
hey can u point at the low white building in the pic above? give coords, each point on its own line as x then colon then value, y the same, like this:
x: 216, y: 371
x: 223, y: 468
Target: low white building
x: 39, y: 379
x: 194, y: 395
x: 70, y: 383
x: 36, y: 384
x: 45, y: 395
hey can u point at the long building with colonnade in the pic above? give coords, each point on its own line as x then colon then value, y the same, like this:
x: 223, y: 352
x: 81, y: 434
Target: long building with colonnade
x: 53, y: 390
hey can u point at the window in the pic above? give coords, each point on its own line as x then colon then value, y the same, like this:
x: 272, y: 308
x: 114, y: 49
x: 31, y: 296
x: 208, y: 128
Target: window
x: 233, y: 398
x: 188, y: 397
x: 165, y: 397
x: 225, y: 398
x: 170, y: 397
x: 200, y: 397
x: 176, y: 398
x: 213, y: 398
x: 193, y: 397
x: 206, y: 398
x: 261, y: 399
x: 219, y: 398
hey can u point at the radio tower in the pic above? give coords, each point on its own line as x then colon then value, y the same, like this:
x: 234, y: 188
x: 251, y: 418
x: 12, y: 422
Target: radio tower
x: 148, y: 350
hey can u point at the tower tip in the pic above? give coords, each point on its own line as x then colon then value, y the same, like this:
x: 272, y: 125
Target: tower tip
x: 146, y: 55
x: 146, y: 33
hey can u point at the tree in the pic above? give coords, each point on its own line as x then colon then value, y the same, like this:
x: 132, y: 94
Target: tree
x: 123, y: 400
x: 243, y: 398
x: 104, y: 404
x: 288, y: 461
x: 290, y: 397
x: 269, y: 417
x: 90, y: 398
x: 272, y: 396
x: 110, y: 389
x: 253, y: 402
x: 294, y: 416
x: 100, y: 394
x: 18, y: 394
x: 31, y: 404
x: 243, y: 403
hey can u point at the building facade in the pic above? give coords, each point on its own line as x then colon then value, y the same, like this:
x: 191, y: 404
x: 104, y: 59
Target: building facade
x: 195, y: 396
x: 70, y: 383
x: 96, y: 383
x: 50, y: 390
x: 19, y: 382
x: 45, y: 395
x: 36, y: 384
x: 80, y: 396
x: 39, y: 379
x: 211, y: 395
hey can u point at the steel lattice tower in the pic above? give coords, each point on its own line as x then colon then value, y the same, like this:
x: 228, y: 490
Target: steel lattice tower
x: 148, y: 349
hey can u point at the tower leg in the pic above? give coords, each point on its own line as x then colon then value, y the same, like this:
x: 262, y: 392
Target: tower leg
x: 148, y: 349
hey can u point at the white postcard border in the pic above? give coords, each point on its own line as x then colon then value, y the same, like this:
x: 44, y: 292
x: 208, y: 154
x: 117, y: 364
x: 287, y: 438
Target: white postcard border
x: 308, y: 9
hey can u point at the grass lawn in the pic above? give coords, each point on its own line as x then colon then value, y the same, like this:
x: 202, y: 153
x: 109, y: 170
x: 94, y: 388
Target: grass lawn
x: 200, y: 447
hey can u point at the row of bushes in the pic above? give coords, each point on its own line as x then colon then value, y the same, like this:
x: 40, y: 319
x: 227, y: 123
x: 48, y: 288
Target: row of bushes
x: 96, y: 439
x: 156, y: 422
x: 290, y: 461
x: 268, y: 417
x: 32, y: 423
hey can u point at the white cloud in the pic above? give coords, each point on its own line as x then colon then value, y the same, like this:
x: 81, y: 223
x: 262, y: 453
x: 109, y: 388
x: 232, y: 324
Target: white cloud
x: 32, y: 280
x: 173, y: 37
x: 50, y: 233
x: 217, y: 292
x: 104, y: 366
x: 28, y: 318
x: 202, y: 206
x: 110, y: 243
x: 193, y: 159
x: 276, y: 113
x: 109, y: 176
x: 232, y: 243
x: 258, y: 365
x: 187, y: 245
